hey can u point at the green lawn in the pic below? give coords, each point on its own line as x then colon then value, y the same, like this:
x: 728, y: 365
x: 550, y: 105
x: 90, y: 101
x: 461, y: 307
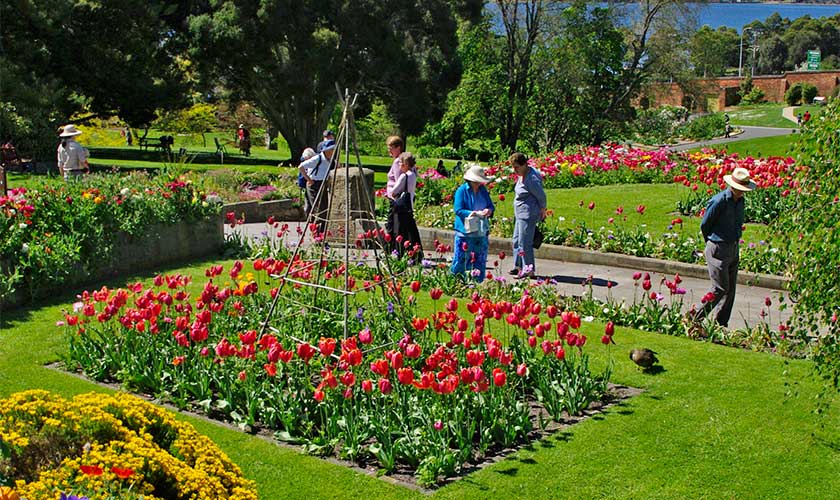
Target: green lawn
x: 780, y: 145
x: 767, y: 115
x: 714, y: 424
x: 659, y: 200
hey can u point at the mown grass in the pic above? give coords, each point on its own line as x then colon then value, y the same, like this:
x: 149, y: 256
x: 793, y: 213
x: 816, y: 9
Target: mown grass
x: 767, y: 115
x: 779, y: 145
x: 715, y: 423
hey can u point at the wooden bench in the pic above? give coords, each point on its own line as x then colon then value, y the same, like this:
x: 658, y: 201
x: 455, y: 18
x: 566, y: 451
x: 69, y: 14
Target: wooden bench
x: 162, y: 143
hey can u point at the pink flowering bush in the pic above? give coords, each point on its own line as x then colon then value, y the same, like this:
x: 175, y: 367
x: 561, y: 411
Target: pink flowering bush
x: 56, y: 232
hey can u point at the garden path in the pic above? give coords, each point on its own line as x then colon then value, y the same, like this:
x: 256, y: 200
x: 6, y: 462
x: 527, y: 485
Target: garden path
x: 748, y: 133
x: 608, y: 281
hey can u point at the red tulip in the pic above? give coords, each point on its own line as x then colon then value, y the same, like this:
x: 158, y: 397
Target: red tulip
x: 122, y: 473
x: 91, y: 470
x: 405, y: 376
x: 326, y: 346
x: 452, y: 305
x: 610, y: 329
x: 270, y: 369
x: 365, y: 336
x: 415, y: 286
x: 435, y: 293
x: 367, y: 386
x: 318, y: 395
x: 385, y: 386
x: 412, y: 351
x: 551, y: 311
x: 499, y: 377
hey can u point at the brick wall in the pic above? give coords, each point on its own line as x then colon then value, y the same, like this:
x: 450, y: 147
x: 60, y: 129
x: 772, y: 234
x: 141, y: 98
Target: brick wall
x: 713, y: 94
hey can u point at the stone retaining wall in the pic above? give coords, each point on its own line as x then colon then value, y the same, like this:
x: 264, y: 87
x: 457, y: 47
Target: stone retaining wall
x: 160, y: 245
x: 259, y: 211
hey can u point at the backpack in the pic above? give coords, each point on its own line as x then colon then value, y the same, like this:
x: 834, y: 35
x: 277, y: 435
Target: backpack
x: 301, y: 181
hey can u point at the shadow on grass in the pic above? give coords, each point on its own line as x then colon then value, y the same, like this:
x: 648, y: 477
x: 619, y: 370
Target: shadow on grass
x: 654, y: 370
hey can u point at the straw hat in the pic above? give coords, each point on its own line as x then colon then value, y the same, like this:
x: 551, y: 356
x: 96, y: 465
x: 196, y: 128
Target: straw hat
x: 70, y: 131
x: 740, y: 180
x: 475, y: 173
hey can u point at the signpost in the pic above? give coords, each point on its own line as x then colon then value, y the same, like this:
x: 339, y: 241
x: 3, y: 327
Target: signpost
x: 814, y: 58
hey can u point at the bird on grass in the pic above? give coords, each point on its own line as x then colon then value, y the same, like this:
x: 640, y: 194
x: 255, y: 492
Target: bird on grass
x: 644, y: 358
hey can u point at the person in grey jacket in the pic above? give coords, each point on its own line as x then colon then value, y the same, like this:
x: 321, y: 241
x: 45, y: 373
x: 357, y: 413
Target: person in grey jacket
x: 529, y: 208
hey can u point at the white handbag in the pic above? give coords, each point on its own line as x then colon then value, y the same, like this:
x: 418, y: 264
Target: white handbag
x: 476, y: 225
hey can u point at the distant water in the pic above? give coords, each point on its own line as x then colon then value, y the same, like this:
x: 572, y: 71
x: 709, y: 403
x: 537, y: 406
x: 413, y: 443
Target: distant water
x: 736, y: 15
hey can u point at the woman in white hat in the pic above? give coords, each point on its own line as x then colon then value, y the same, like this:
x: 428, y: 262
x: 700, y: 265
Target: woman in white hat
x: 72, y: 157
x: 721, y: 228
x: 473, y: 209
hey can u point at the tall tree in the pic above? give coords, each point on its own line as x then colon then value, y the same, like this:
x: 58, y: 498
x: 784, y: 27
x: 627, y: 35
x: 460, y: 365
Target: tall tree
x: 522, y: 21
x: 288, y: 55
x: 128, y: 68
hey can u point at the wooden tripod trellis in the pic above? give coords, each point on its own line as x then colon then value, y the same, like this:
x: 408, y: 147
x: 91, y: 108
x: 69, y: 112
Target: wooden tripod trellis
x: 325, y: 254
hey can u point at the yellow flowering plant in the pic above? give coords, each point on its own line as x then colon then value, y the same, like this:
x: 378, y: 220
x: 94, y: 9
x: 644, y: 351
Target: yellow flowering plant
x: 109, y: 446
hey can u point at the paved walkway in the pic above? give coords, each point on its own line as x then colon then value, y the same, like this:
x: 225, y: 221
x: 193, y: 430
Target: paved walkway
x: 607, y: 281
x: 748, y: 133
x: 787, y: 112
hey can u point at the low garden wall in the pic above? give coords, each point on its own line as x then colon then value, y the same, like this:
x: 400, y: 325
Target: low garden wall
x: 161, y: 244
x: 584, y: 256
x: 259, y: 211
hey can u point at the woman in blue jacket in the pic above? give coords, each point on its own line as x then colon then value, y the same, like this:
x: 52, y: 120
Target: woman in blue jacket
x: 473, y: 209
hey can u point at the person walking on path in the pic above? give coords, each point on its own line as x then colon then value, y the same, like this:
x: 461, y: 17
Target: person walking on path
x: 244, y: 136
x: 473, y: 209
x: 529, y: 208
x: 405, y: 235
x: 721, y: 228
x: 315, y: 171
x: 72, y: 157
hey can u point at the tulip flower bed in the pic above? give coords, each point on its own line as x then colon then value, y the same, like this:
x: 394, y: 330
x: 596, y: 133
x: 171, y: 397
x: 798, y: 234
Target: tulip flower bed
x: 102, y: 446
x: 54, y: 234
x: 626, y: 231
x: 431, y: 393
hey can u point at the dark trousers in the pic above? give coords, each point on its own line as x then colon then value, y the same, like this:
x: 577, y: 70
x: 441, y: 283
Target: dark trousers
x: 402, y: 223
x: 722, y: 260
x: 319, y: 211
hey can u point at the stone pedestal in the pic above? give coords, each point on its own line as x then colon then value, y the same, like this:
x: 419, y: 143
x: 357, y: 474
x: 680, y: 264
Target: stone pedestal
x: 359, y: 200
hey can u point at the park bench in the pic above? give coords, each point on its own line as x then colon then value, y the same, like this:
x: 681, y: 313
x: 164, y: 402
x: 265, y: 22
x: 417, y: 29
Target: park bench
x: 162, y: 143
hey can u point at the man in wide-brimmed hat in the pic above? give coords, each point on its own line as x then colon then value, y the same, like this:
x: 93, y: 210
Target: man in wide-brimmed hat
x: 72, y: 157
x: 721, y: 228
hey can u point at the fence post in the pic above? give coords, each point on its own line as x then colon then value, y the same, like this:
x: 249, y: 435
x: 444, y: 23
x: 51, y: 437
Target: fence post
x: 3, y: 182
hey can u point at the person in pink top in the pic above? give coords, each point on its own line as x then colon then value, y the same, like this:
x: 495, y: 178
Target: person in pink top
x: 395, y: 149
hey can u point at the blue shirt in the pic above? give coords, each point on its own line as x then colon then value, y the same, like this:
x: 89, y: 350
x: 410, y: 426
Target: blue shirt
x: 466, y: 201
x: 529, y: 197
x: 723, y: 218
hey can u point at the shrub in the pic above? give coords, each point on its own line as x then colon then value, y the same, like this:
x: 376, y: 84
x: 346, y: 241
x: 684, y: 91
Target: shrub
x: 54, y: 234
x: 754, y: 96
x: 808, y: 93
x: 110, y: 446
x: 703, y: 127
x: 793, y: 96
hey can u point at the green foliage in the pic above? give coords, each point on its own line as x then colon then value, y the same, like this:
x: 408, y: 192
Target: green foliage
x: 196, y: 119
x: 656, y: 126
x: 793, y: 96
x: 288, y: 59
x: 800, y: 93
x: 58, y: 234
x: 703, y: 127
x: 814, y: 227
x: 808, y: 93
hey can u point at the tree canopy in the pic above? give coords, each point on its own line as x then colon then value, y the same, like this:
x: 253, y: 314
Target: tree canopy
x: 288, y: 57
